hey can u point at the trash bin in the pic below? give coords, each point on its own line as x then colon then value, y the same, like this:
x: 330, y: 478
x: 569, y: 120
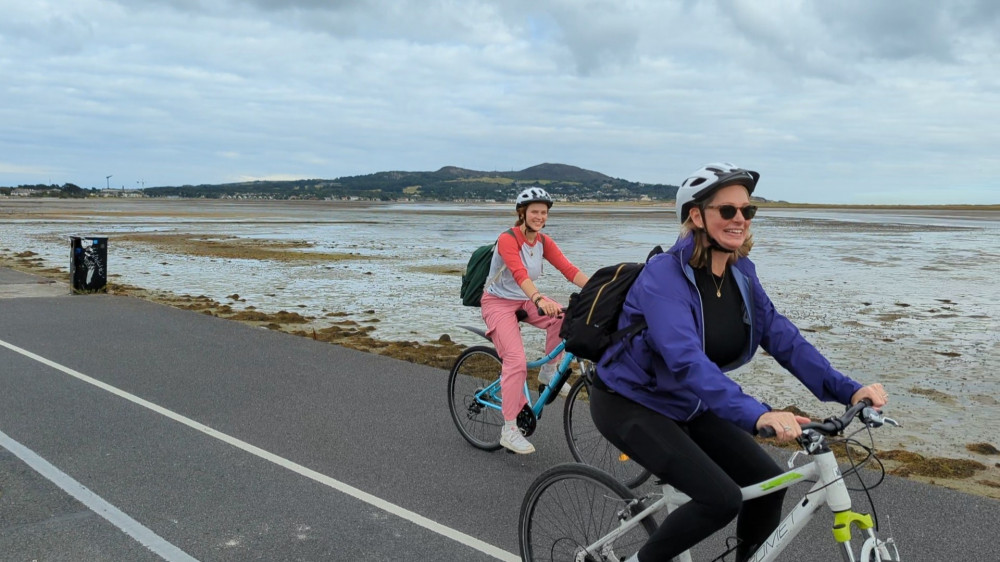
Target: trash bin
x: 88, y: 265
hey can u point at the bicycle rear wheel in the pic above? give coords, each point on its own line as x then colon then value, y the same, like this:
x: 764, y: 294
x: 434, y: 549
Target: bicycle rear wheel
x: 478, y: 419
x: 569, y: 507
x: 588, y: 446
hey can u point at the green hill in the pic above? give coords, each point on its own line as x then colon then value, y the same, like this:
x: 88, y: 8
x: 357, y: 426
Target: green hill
x: 449, y: 183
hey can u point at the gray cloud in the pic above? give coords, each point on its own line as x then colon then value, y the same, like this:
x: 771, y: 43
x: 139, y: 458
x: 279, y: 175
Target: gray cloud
x: 846, y: 93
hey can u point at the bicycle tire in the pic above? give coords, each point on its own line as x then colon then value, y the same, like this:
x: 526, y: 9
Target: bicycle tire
x: 572, y: 505
x: 878, y: 551
x: 588, y: 446
x: 476, y: 368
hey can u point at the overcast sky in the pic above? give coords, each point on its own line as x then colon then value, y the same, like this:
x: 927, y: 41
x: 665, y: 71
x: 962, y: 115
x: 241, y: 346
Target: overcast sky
x: 853, y: 101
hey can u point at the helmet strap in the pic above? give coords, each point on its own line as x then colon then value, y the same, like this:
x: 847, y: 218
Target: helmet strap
x: 714, y: 244
x: 522, y: 216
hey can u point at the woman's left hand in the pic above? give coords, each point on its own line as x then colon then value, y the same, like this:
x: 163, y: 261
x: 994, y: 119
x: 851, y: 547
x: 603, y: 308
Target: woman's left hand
x: 786, y: 425
x: 874, y: 392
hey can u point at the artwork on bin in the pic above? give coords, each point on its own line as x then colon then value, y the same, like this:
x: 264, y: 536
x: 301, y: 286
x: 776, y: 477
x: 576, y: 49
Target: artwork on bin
x: 88, y: 265
x: 92, y: 261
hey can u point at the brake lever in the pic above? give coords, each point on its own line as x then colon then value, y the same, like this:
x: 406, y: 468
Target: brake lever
x: 795, y: 455
x: 809, y: 440
x: 874, y: 418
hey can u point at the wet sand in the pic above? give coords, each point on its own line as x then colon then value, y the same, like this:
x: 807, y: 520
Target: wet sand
x: 356, y: 330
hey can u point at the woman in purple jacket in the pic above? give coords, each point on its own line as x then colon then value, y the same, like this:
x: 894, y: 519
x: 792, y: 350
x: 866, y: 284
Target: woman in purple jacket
x: 663, y: 397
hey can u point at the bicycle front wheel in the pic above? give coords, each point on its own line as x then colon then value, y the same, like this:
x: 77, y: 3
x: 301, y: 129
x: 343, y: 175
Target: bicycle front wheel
x: 588, y: 446
x: 569, y: 507
x: 875, y: 550
x: 474, y: 397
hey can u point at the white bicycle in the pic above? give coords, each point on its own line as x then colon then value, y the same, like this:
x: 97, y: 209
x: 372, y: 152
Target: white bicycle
x: 575, y: 512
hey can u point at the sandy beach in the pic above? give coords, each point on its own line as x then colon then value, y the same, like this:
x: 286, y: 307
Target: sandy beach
x: 976, y: 473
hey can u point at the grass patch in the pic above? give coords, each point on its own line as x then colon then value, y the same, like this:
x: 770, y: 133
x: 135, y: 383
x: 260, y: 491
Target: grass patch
x: 232, y: 247
x: 438, y: 269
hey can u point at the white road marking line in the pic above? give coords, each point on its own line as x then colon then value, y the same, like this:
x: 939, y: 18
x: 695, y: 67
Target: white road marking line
x: 356, y: 493
x: 146, y: 537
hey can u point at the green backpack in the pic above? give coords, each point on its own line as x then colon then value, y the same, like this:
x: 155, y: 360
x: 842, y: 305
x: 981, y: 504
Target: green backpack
x: 474, y: 279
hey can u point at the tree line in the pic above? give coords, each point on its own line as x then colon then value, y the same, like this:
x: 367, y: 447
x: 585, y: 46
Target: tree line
x: 65, y: 191
x: 450, y: 183
x: 447, y: 184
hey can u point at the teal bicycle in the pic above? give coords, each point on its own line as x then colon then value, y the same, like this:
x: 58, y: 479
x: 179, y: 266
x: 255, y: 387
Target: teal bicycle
x: 474, y: 404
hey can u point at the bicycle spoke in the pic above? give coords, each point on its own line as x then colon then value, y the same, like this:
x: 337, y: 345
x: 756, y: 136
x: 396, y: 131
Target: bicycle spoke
x: 571, y: 507
x: 476, y: 413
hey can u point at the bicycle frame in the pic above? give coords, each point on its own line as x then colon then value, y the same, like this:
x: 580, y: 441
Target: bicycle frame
x: 829, y: 490
x: 490, y: 395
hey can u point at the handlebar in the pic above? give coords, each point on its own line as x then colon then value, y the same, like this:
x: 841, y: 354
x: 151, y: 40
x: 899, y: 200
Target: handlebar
x: 562, y: 310
x: 863, y: 410
x: 522, y: 314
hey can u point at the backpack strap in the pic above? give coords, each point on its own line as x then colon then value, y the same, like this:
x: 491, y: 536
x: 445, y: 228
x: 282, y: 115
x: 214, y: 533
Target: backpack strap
x: 634, y: 329
x: 503, y: 265
x: 625, y: 333
x: 628, y: 332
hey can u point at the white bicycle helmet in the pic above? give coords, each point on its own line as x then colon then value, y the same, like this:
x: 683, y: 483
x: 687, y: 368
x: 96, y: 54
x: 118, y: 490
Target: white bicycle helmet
x: 532, y: 195
x: 701, y: 184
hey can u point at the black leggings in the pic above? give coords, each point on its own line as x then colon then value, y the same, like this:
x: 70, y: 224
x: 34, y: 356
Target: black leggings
x: 707, y: 458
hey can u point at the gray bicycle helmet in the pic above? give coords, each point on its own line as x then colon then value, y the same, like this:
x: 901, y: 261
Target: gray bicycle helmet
x: 532, y: 195
x: 705, y: 181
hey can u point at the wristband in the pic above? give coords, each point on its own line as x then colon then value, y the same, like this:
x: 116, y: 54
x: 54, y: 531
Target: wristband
x: 540, y: 297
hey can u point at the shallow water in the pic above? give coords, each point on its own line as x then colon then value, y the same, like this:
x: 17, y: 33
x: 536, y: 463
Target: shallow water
x: 908, y: 298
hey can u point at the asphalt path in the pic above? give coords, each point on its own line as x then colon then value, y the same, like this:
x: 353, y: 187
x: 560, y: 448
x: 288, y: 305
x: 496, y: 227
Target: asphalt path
x: 135, y: 431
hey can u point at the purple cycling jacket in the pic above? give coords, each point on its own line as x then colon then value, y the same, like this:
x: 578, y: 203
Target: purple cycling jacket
x: 665, y: 368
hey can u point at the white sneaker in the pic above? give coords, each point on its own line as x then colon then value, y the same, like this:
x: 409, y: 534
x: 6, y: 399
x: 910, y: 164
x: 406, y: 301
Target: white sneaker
x: 545, y: 374
x: 511, y: 438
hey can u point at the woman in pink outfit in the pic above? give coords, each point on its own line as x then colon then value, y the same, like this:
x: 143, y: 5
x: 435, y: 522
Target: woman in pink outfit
x: 510, y: 287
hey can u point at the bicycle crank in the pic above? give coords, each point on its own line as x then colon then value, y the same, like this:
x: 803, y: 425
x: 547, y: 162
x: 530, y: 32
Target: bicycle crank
x: 526, y: 421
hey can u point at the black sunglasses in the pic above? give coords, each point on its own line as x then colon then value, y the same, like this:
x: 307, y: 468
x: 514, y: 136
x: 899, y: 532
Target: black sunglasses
x: 729, y: 211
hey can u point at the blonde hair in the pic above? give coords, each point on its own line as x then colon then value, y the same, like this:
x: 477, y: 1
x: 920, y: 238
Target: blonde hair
x: 699, y: 258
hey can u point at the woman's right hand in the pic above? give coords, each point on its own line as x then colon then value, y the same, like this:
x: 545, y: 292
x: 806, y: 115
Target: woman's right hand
x: 786, y: 425
x: 549, y: 307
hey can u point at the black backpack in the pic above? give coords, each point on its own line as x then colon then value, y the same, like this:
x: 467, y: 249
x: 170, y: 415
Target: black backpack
x: 474, y: 278
x: 590, y: 323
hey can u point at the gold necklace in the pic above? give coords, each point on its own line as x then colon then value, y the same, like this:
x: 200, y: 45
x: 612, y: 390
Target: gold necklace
x: 718, y: 286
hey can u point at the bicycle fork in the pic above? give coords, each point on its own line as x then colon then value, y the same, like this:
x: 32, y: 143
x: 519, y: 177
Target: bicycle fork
x: 872, y: 549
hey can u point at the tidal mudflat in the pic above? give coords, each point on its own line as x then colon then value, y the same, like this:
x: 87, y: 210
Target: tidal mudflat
x: 904, y: 296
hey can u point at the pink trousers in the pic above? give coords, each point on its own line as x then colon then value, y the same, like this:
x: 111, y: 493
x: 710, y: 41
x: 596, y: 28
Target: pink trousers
x: 502, y: 327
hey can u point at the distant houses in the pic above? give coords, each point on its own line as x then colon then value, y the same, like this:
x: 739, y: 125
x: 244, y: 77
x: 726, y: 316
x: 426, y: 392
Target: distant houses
x: 27, y: 192
x: 67, y: 192
x: 121, y: 193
